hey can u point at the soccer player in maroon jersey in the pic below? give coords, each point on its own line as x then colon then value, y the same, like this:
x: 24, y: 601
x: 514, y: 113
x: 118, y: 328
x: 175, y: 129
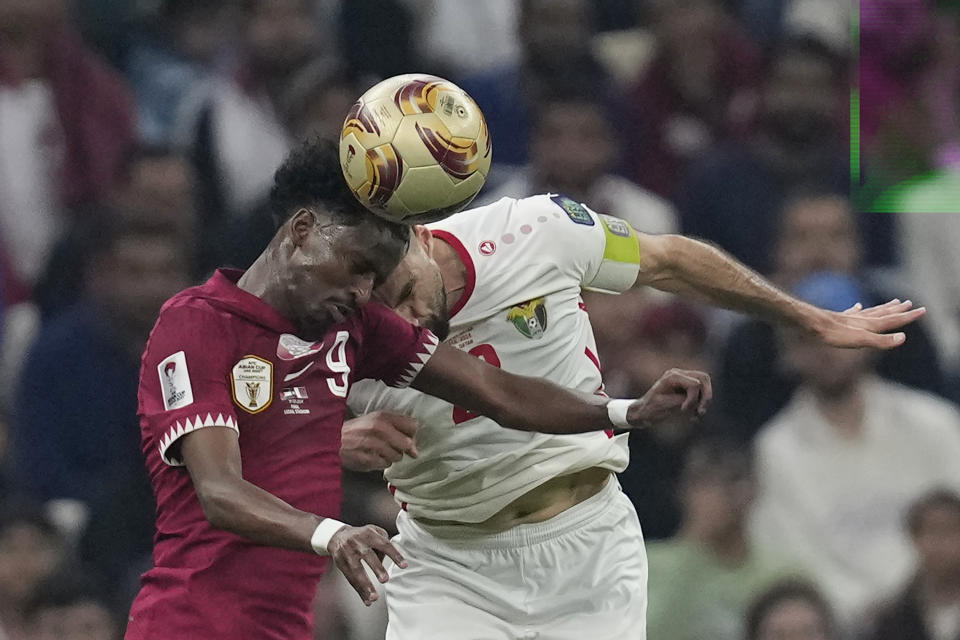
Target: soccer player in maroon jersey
x: 242, y: 397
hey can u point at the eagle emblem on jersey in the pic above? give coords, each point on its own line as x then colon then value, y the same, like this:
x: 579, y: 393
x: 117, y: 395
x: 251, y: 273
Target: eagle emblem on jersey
x: 530, y: 318
x: 252, y: 383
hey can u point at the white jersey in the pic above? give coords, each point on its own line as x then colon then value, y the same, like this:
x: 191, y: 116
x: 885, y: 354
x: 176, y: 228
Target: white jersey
x: 526, y: 262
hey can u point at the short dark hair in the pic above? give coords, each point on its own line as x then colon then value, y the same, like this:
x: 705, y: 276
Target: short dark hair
x: 939, y: 497
x: 789, y: 589
x: 310, y: 176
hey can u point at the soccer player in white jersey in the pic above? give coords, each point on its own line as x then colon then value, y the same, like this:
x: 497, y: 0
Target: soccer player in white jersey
x: 512, y: 534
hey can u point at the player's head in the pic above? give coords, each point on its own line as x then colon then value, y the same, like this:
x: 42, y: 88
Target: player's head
x: 415, y: 288
x: 328, y: 251
x: 790, y: 609
x: 934, y: 525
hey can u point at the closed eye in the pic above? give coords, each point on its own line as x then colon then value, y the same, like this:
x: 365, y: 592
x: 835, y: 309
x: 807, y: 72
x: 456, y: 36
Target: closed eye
x: 406, y: 292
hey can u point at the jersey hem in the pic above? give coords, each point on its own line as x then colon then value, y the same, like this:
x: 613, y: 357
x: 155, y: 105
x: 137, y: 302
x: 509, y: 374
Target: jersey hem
x: 180, y: 429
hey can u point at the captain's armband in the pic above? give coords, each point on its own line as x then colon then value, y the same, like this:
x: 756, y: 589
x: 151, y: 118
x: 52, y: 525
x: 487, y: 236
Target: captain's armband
x: 621, y: 258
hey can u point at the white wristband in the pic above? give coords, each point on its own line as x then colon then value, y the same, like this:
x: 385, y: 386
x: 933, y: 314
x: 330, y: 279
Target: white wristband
x: 322, y: 534
x: 617, y: 412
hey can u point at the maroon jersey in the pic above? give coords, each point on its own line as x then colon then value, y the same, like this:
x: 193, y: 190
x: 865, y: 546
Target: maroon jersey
x: 219, y: 357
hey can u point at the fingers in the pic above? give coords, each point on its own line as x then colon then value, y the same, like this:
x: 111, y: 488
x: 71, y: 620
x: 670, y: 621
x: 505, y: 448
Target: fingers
x: 689, y: 385
x: 404, y: 424
x: 388, y: 549
x: 364, y: 545
x: 706, y: 390
x: 397, y: 431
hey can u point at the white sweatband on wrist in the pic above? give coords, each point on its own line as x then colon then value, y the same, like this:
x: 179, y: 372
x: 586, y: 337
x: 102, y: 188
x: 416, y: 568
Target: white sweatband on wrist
x: 617, y: 412
x: 322, y: 534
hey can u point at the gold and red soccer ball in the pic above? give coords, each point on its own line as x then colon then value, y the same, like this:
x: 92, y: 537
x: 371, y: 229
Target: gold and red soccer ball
x: 415, y: 148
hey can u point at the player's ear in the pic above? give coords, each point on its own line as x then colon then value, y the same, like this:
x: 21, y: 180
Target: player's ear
x: 300, y: 226
x: 422, y: 235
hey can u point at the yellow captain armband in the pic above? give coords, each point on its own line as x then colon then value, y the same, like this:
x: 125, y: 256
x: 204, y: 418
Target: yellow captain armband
x: 621, y: 258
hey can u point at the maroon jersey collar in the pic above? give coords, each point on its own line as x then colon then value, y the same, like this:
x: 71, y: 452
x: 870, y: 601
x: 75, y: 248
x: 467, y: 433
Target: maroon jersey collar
x: 222, y: 287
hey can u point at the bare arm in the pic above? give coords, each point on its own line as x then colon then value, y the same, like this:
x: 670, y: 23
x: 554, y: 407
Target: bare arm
x: 698, y: 270
x: 534, y: 404
x: 229, y: 502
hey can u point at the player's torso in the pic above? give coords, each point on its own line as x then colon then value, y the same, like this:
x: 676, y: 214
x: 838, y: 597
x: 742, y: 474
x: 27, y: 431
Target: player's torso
x: 527, y: 317
x: 289, y: 399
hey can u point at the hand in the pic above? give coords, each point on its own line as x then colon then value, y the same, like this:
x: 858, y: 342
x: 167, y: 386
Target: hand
x: 376, y: 440
x: 677, y: 393
x: 350, y: 547
x: 859, y: 327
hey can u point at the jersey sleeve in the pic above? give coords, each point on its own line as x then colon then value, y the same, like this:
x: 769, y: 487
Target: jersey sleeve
x: 600, y: 251
x: 392, y: 349
x: 184, y: 379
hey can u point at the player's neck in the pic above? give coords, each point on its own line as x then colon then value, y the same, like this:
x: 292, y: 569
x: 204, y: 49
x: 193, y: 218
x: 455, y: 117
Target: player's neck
x: 260, y: 280
x: 452, y: 270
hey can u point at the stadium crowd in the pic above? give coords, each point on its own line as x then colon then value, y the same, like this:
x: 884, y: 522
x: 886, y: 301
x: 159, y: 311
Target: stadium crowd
x: 820, y: 498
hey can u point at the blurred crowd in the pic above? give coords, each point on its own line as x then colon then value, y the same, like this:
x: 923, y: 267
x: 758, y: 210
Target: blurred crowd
x: 820, y: 499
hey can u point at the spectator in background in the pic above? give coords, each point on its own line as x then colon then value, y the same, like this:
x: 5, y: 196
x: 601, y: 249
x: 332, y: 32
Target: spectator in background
x: 65, y: 122
x: 155, y: 183
x: 31, y: 548
x: 70, y: 606
x: 929, y: 607
x: 702, y: 580
x: 313, y: 105
x: 75, y: 429
x: 232, y: 126
x: 634, y: 354
x: 573, y: 149
x: 177, y: 49
x: 490, y: 43
x: 842, y: 462
x: 555, y: 38
x: 686, y: 100
x: 817, y: 232
x: 791, y: 610
x: 742, y: 185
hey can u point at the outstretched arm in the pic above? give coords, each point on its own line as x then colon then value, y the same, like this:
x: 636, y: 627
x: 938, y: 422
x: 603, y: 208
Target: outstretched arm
x: 534, y: 404
x: 698, y: 270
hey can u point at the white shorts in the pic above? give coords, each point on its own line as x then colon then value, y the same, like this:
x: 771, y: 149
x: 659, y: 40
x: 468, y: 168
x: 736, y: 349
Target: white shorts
x: 581, y: 574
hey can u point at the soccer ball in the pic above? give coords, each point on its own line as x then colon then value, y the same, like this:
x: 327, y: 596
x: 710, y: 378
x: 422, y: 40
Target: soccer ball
x: 415, y: 148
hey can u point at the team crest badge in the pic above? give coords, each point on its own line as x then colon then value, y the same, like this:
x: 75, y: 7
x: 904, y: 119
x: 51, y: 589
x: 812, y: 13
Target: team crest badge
x: 574, y: 210
x: 252, y: 384
x: 530, y: 318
